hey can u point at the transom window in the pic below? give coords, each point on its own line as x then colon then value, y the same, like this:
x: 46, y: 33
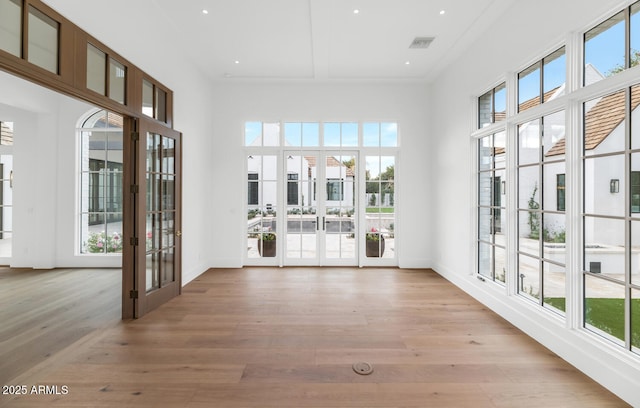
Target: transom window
x: 337, y: 135
x: 492, y: 106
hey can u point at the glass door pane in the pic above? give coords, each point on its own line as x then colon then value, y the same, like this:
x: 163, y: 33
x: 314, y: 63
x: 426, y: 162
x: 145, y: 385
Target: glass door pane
x: 302, y: 223
x: 340, y: 206
x: 158, y: 269
x: 380, y: 207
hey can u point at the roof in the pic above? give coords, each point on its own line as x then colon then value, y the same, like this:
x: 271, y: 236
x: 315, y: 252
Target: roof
x: 606, y: 115
x: 6, y: 134
x: 331, y: 162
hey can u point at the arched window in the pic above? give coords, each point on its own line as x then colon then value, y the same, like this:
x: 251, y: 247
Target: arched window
x: 101, y: 181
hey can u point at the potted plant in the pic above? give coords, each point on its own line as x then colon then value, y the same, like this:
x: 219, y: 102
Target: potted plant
x: 267, y: 244
x: 374, y: 243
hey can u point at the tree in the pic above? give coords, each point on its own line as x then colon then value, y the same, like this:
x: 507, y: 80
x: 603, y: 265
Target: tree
x: 634, y: 60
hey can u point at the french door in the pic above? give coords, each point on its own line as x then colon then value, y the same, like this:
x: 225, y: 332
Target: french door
x: 320, y: 198
x: 157, y: 191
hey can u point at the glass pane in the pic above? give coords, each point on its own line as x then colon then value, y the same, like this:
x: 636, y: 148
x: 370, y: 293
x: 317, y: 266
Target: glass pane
x: 485, y: 259
x: 634, y: 186
x: 168, y: 193
x: 500, y: 101
x: 529, y: 88
x: 370, y: 134
x: 168, y: 155
x: 485, y: 188
x: 161, y: 105
x: 43, y: 40
x: 500, y: 267
x: 528, y: 188
x: 153, y: 153
x: 635, y: 252
x: 147, y: 98
x: 554, y: 286
x: 311, y: 134
x: 528, y: 241
x: 554, y: 74
x: 485, y: 110
x: 604, y: 308
x: 117, y: 81
x: 554, y: 185
x: 604, y: 49
x: 529, y: 276
x: 293, y: 134
x: 271, y: 134
x: 529, y: 143
x: 269, y: 168
x: 635, y: 117
x: 604, y: 185
x: 485, y: 224
x: 113, y: 233
x: 553, y: 236
x: 96, y: 69
x: 253, y: 133
x: 92, y: 234
x: 499, y: 150
x: 635, y: 320
x: 349, y: 134
x: 389, y: 134
x: 6, y: 133
x: 604, y: 247
x: 485, y: 153
x: 604, y: 124
x: 635, y: 34
x: 553, y: 134
x: 168, y: 268
x: 153, y: 271
x: 332, y: 134
x: 11, y: 26
x: 114, y: 154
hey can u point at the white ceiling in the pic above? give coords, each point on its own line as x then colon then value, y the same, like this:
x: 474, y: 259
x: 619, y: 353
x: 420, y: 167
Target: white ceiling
x: 292, y: 39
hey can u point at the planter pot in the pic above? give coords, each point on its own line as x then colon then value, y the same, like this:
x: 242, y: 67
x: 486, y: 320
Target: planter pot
x: 267, y: 248
x: 375, y: 249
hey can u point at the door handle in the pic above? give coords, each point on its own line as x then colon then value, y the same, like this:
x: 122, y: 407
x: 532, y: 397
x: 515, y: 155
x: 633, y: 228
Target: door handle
x: 324, y: 224
x: 317, y: 223
x: 178, y: 233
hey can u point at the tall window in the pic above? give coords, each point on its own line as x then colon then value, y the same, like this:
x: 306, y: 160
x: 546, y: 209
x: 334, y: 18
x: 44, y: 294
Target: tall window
x: 611, y: 145
x: 491, y: 205
x: 541, y: 221
x: 101, y: 184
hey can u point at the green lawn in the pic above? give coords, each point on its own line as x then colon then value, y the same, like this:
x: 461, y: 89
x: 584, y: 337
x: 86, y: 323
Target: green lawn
x: 607, y: 315
x: 385, y: 210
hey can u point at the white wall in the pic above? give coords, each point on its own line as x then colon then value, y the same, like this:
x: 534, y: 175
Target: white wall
x: 239, y: 102
x: 515, y: 41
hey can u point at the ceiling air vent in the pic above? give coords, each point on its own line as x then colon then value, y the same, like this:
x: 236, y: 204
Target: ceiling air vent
x: 421, y: 42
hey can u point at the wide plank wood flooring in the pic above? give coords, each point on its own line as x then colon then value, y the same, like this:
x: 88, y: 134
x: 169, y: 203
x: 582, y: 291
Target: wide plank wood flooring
x: 288, y: 337
x: 44, y: 311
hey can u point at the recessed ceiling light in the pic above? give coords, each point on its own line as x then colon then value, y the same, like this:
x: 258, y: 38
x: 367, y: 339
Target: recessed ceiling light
x: 237, y: 62
x: 442, y: 12
x: 356, y: 11
x: 205, y: 11
x: 407, y: 63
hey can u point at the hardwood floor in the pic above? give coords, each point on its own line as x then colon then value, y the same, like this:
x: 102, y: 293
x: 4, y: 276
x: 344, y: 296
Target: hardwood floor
x: 44, y: 311
x: 288, y: 337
